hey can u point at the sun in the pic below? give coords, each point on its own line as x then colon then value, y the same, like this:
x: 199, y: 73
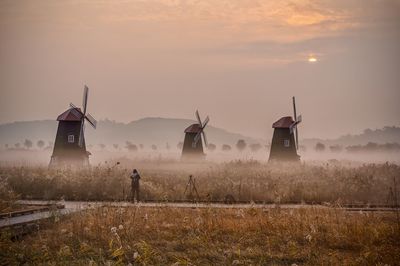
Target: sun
x: 312, y: 59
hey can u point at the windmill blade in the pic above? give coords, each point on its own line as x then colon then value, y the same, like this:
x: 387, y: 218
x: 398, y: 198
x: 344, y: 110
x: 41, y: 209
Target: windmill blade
x: 81, y: 133
x: 205, y: 122
x: 205, y: 138
x: 91, y: 120
x: 85, y: 98
x: 72, y: 105
x: 294, y: 107
x: 299, y: 119
x: 198, y: 118
x: 197, y: 137
x: 293, y: 126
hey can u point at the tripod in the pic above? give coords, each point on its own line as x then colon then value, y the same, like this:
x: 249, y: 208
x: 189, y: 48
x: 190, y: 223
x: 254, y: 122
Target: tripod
x: 191, y: 185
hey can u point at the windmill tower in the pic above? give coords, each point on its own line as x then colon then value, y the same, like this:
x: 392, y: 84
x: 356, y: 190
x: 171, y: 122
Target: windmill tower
x: 285, y: 141
x: 69, y: 146
x: 193, y: 145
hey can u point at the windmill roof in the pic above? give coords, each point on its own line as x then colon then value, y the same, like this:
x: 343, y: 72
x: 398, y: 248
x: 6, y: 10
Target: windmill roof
x: 195, y: 128
x: 284, y: 122
x: 72, y: 114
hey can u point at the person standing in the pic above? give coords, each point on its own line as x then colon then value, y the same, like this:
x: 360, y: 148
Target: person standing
x: 135, y: 177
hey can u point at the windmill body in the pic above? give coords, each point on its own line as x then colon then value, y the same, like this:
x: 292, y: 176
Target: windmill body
x: 66, y: 146
x: 284, y: 143
x: 190, y: 147
x: 193, y: 144
x: 69, y: 146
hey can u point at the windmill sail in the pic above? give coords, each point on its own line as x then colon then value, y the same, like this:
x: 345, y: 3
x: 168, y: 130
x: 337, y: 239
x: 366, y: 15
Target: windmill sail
x: 83, y: 115
x: 198, y: 118
x: 205, y: 138
x: 85, y: 98
x: 201, y: 129
x: 203, y: 132
x: 295, y: 126
x: 91, y: 120
x: 81, y: 133
x: 205, y: 122
x: 197, y: 138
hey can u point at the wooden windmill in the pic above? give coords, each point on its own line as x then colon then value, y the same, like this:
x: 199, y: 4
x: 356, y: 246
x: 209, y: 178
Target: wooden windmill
x: 193, y: 145
x: 69, y: 146
x: 285, y: 141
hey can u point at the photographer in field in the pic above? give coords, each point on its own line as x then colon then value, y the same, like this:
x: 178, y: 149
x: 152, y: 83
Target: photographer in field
x: 135, y: 177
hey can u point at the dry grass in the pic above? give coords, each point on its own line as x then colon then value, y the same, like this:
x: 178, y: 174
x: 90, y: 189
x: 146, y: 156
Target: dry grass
x: 166, y: 236
x: 246, y: 181
x: 7, y: 197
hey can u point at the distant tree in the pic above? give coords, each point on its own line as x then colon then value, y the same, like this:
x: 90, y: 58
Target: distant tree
x: 17, y: 145
x: 335, y: 148
x: 116, y: 146
x: 154, y: 147
x: 390, y: 147
x: 179, y: 146
x: 211, y: 147
x: 6, y: 146
x: 241, y: 145
x: 167, y: 146
x: 28, y: 143
x: 374, y: 147
x: 226, y: 147
x: 102, y: 146
x: 40, y: 144
x: 368, y: 131
x: 131, y: 147
x: 319, y: 147
x: 255, y: 147
x: 141, y: 146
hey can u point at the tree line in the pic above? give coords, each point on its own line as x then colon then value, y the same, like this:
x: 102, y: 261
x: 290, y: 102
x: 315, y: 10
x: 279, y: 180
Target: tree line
x: 240, y: 145
x: 369, y: 147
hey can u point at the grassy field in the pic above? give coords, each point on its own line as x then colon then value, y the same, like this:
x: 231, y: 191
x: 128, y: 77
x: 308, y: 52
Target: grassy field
x: 332, y: 182
x: 169, y: 236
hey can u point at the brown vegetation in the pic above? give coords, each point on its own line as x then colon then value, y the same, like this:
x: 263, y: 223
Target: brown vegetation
x: 170, y: 236
x: 246, y: 181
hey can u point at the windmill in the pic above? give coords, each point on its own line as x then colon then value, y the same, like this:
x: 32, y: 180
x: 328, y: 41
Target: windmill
x: 285, y: 141
x: 69, y: 146
x: 193, y: 144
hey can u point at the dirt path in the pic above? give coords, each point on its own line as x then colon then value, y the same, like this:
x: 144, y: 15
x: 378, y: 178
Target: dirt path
x: 75, y: 206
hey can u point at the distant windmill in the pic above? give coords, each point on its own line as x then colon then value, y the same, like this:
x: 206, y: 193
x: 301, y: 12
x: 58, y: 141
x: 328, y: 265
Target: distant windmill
x: 193, y: 145
x: 285, y: 141
x: 69, y: 146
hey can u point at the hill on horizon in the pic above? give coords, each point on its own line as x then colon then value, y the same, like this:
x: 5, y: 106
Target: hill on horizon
x: 381, y: 136
x: 146, y: 131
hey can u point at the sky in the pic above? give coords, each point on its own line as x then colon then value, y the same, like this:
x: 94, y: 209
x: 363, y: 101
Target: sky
x: 239, y: 62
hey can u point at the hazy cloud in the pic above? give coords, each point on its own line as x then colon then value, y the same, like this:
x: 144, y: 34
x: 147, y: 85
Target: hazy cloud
x: 238, y: 61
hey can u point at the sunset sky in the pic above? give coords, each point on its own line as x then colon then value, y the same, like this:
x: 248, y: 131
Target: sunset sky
x: 237, y: 61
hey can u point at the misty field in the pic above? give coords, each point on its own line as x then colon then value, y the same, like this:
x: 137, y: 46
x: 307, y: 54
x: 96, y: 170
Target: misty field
x: 333, y: 182
x: 170, y: 236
